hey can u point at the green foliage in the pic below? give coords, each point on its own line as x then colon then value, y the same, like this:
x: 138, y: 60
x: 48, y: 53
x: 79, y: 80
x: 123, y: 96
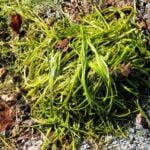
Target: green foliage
x: 82, y: 91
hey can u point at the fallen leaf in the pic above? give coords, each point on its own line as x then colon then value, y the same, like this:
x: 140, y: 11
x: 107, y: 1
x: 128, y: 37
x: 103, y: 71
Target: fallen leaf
x: 125, y: 69
x: 2, y: 72
x: 142, y: 24
x: 16, y: 22
x: 6, y: 116
x: 110, y: 2
x: 63, y: 44
x: 148, y: 24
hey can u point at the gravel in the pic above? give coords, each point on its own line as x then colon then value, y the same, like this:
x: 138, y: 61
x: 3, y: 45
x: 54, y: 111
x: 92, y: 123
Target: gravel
x: 137, y: 139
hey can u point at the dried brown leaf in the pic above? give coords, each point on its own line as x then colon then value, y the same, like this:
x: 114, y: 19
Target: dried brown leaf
x: 6, y: 116
x: 110, y: 2
x: 148, y: 24
x: 63, y: 44
x: 16, y: 22
x: 142, y: 24
x: 2, y: 72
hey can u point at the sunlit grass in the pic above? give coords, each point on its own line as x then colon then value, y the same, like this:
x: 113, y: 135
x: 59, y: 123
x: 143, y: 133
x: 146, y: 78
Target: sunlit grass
x: 82, y: 91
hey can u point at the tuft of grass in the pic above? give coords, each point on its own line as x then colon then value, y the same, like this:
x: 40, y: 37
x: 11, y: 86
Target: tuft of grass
x: 81, y: 92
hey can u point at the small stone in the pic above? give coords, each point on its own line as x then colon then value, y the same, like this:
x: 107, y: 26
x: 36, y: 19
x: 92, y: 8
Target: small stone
x: 146, y: 133
x: 84, y: 146
x: 131, y: 137
x: 33, y: 144
x: 133, y: 147
x: 6, y: 97
x: 132, y: 130
x: 148, y: 113
x: 141, y: 139
x: 140, y: 121
x: 146, y: 147
x: 115, y: 142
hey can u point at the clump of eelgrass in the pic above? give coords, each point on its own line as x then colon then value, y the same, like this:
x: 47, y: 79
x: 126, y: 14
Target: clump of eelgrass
x: 93, y: 85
